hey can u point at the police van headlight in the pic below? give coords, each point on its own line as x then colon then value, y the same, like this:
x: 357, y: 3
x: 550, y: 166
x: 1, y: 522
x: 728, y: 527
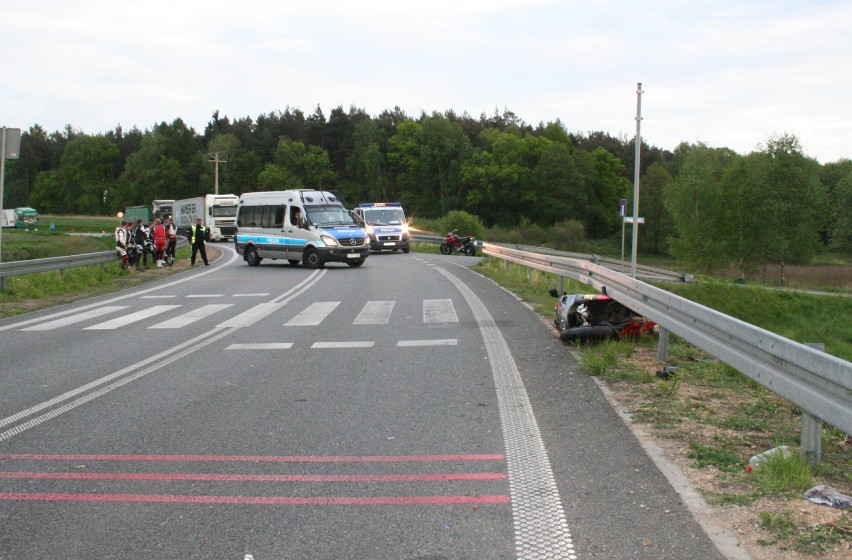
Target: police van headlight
x: 329, y: 240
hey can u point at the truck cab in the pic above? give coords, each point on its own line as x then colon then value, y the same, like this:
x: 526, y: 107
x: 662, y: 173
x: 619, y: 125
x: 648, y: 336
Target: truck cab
x: 385, y: 224
x: 26, y: 217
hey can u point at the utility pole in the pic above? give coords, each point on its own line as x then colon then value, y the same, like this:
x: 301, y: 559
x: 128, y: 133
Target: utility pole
x: 216, y: 161
x: 638, y: 141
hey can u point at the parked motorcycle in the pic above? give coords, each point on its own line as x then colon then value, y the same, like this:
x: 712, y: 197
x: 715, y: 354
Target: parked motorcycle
x: 454, y: 243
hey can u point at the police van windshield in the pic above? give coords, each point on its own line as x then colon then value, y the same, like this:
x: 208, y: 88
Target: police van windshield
x: 329, y: 216
x: 384, y: 216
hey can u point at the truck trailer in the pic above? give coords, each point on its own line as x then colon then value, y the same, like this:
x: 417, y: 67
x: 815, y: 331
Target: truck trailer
x: 218, y: 213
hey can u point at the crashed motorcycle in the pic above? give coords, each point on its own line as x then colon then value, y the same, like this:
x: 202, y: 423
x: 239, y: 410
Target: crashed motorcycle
x: 581, y: 317
x: 454, y: 243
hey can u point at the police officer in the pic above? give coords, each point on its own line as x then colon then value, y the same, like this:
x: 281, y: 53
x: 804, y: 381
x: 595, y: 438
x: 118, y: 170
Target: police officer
x: 199, y: 236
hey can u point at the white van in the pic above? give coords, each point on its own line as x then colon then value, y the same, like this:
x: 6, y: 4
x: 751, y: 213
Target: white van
x: 298, y: 225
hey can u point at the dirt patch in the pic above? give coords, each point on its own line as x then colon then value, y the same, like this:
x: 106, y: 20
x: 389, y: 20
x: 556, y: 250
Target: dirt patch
x: 730, y: 418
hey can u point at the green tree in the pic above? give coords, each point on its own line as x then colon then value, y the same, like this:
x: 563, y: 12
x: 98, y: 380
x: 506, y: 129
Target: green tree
x: 841, y: 232
x: 796, y: 209
x: 658, y: 222
x: 168, y: 164
x: 86, y: 170
x: 605, y: 186
x: 742, y: 231
x: 367, y: 163
x: 693, y: 198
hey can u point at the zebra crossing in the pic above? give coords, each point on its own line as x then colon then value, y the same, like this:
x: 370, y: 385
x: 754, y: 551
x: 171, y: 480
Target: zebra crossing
x: 180, y: 315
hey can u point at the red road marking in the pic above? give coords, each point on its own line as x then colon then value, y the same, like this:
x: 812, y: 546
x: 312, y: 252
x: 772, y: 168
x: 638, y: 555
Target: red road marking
x: 258, y: 458
x: 256, y: 477
x: 255, y: 500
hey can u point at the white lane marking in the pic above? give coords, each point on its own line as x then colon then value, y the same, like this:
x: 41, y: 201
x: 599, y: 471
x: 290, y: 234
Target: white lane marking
x: 251, y: 316
x: 260, y: 311
x: 439, y: 311
x: 261, y: 346
x: 313, y: 315
x: 159, y: 297
x: 541, y: 530
x: 191, y: 317
x: 132, y: 318
x: 205, y: 295
x: 350, y: 344
x: 375, y: 313
x: 252, y: 295
x: 124, y: 376
x: 435, y: 342
x: 133, y: 294
x: 80, y: 317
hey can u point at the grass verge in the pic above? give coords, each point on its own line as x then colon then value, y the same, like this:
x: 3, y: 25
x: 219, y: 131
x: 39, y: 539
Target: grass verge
x: 713, y: 418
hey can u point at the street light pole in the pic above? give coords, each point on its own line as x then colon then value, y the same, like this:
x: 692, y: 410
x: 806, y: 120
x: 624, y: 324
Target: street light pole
x: 638, y: 142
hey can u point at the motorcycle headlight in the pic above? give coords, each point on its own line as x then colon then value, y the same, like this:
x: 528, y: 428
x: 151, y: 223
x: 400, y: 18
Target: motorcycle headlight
x: 329, y: 240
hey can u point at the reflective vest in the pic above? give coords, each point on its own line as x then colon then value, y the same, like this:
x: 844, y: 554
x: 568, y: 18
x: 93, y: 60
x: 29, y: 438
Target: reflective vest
x: 203, y: 231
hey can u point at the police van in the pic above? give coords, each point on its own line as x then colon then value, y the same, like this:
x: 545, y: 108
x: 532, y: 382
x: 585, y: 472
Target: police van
x: 311, y: 227
x: 386, y: 225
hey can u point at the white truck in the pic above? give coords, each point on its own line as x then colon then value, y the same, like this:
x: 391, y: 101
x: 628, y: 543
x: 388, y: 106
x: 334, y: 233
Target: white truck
x: 218, y: 213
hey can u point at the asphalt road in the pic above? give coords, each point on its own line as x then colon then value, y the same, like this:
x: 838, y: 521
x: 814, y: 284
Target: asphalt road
x: 407, y: 409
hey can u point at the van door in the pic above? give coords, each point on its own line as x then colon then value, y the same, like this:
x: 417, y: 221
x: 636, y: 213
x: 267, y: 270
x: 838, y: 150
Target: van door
x: 297, y: 236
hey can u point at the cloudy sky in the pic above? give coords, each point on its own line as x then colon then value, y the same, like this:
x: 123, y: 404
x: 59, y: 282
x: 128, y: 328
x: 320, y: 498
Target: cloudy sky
x: 726, y: 73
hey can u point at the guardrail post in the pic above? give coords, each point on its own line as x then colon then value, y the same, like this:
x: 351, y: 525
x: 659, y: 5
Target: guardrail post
x: 561, y: 288
x: 810, y: 446
x: 663, y: 345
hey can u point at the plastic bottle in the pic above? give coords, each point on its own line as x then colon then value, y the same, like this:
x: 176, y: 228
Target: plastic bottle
x: 758, y: 460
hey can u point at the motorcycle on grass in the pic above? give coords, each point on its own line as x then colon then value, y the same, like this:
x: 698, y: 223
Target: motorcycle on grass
x: 454, y: 243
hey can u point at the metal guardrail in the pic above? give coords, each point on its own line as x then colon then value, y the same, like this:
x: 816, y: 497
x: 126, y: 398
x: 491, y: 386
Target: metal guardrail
x: 642, y: 271
x: 819, y: 383
x: 17, y: 268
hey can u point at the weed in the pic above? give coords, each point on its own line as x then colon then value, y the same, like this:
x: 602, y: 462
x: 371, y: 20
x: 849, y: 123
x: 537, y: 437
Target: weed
x: 789, y: 534
x: 783, y: 474
x: 725, y: 459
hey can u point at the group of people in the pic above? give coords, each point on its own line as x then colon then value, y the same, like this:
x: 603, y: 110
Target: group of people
x: 134, y: 242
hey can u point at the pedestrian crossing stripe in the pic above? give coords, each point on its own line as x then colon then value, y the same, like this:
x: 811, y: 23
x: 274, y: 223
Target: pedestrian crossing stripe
x: 161, y: 316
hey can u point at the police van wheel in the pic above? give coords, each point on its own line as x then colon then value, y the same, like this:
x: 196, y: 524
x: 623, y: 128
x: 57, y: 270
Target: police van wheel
x: 252, y: 257
x: 312, y: 259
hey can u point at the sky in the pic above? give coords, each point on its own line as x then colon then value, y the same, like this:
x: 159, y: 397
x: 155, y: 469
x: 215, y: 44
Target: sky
x: 724, y: 73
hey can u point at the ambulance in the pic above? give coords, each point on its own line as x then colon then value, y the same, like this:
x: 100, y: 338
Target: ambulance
x: 307, y: 226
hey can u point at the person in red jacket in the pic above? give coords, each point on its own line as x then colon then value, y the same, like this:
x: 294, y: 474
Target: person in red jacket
x: 159, y: 235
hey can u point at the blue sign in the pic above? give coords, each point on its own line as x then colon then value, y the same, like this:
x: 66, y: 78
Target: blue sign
x: 622, y: 207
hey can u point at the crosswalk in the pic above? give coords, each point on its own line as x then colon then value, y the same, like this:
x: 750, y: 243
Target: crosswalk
x: 180, y: 314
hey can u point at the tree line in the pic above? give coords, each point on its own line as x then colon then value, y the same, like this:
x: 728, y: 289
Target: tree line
x: 706, y: 206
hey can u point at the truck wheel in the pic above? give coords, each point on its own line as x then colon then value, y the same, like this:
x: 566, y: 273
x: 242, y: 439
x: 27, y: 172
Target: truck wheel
x: 252, y: 257
x: 293, y: 262
x: 311, y: 259
x: 356, y: 264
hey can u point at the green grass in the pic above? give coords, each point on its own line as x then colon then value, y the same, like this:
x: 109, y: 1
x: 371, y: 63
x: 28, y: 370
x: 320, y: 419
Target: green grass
x: 798, y: 316
x: 725, y: 457
x: 789, y: 534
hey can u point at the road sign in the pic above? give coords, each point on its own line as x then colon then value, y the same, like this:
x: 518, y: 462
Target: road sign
x: 629, y: 220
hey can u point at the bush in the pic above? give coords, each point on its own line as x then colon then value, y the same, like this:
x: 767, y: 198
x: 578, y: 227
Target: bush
x: 467, y: 224
x: 568, y: 235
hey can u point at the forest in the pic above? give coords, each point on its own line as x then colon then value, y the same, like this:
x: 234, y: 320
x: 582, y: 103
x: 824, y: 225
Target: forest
x: 705, y: 206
